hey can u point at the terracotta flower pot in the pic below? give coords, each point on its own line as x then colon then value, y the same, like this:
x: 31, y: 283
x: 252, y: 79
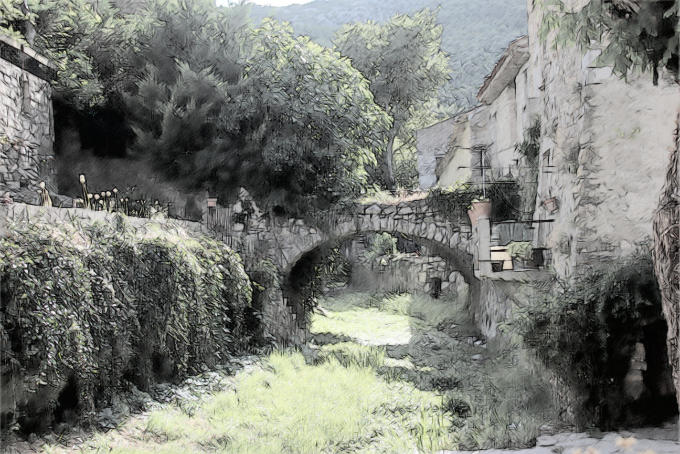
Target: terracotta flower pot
x: 479, y: 209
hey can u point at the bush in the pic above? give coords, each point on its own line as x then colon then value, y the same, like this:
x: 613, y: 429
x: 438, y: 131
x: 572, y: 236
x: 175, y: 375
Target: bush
x: 453, y: 202
x: 520, y: 250
x: 382, y: 244
x: 586, y: 334
x: 94, y: 307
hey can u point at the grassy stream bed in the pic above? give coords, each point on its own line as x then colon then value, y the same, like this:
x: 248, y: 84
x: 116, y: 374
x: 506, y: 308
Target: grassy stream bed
x: 381, y: 374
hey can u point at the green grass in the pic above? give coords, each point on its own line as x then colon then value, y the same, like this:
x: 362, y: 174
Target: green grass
x: 291, y: 407
x: 371, y: 394
x: 386, y: 197
x: 366, y: 326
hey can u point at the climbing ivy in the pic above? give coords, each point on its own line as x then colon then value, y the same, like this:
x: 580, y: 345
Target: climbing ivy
x: 529, y: 150
x: 104, y: 304
x: 585, y: 331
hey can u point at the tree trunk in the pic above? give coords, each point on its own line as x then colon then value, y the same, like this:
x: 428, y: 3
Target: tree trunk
x: 389, y: 163
x: 29, y: 28
x: 667, y: 258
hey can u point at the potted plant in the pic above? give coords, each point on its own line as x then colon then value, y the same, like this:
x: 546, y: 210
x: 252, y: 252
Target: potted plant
x: 479, y: 208
x: 522, y: 254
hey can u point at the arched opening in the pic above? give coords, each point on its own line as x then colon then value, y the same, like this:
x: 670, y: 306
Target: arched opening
x: 302, y: 286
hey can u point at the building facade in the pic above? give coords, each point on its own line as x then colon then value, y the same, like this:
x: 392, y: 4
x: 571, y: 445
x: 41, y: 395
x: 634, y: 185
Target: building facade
x: 602, y: 150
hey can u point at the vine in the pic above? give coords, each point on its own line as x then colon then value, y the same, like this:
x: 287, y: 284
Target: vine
x: 103, y: 304
x: 528, y: 170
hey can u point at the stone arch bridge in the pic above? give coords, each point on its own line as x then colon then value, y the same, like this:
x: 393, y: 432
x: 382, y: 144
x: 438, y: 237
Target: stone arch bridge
x: 285, y: 241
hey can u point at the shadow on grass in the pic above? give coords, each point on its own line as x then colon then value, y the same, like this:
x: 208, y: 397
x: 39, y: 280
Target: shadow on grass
x: 492, y: 394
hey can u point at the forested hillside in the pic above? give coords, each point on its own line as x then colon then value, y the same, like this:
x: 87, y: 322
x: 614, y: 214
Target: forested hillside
x: 475, y: 32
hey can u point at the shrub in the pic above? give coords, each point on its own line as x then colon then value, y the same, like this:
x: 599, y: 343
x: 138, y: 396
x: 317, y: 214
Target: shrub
x: 94, y: 306
x: 382, y: 244
x: 520, y: 249
x: 586, y: 333
x: 453, y: 202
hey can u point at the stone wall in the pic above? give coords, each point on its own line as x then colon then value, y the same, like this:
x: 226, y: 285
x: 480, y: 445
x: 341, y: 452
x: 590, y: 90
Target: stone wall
x: 432, y: 144
x: 411, y: 273
x: 278, y: 320
x: 604, y: 151
x: 26, y: 123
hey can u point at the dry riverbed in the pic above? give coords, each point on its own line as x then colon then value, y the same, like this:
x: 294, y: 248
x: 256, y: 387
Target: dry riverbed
x: 385, y: 374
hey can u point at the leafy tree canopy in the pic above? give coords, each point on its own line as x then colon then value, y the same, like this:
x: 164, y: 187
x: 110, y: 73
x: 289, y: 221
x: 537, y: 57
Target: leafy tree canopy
x: 405, y: 65
x: 85, y: 41
x: 475, y: 33
x: 213, y: 102
x: 285, y: 118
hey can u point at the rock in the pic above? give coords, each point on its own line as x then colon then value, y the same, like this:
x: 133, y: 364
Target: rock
x: 476, y: 357
x: 373, y: 209
x: 546, y: 440
x: 106, y: 419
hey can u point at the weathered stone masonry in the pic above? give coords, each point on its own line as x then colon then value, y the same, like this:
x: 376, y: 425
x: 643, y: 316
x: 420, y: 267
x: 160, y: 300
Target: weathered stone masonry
x: 284, y: 242
x: 26, y: 123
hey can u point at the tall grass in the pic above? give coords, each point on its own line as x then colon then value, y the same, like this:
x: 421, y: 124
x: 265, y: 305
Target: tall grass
x: 424, y: 395
x: 291, y: 407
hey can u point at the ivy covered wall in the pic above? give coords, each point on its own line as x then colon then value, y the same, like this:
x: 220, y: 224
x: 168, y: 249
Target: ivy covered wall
x: 91, y: 308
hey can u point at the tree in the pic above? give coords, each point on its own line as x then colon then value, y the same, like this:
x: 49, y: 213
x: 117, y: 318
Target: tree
x: 312, y: 123
x: 85, y: 41
x: 644, y: 35
x: 222, y: 106
x: 404, y: 63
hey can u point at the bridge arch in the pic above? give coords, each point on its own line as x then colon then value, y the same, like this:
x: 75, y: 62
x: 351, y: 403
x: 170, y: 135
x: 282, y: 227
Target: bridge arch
x: 289, y: 243
x: 446, y: 238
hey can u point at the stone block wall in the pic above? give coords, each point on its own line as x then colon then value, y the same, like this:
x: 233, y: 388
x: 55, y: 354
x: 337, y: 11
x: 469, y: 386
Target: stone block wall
x: 26, y: 123
x: 409, y: 273
x: 604, y: 149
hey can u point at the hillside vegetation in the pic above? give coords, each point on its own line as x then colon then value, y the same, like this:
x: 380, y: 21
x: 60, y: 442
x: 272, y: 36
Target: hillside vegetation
x: 475, y: 32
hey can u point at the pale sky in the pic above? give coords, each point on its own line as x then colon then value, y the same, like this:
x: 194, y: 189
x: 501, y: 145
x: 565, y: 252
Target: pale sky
x: 270, y: 2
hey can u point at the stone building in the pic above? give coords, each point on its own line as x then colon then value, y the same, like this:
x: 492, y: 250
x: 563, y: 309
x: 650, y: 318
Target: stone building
x: 602, y: 151
x: 26, y: 122
x: 432, y: 144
